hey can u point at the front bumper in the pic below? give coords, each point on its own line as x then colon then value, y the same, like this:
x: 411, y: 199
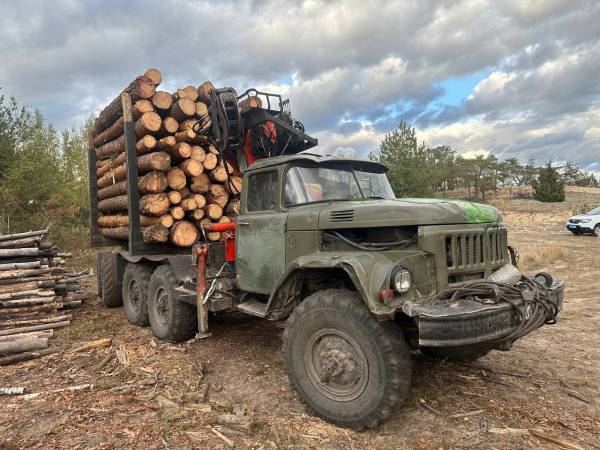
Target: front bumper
x: 468, y: 322
x: 578, y: 227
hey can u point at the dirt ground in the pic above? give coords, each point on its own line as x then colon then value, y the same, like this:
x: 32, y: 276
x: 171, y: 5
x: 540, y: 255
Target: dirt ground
x: 142, y: 393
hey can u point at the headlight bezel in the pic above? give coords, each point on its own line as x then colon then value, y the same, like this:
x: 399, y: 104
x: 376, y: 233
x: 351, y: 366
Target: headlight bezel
x: 401, y: 280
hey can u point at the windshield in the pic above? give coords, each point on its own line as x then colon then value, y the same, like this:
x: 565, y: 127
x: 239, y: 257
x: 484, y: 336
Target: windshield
x: 318, y: 184
x: 593, y: 212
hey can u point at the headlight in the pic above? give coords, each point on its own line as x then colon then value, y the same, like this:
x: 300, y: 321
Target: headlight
x: 588, y: 220
x: 400, y: 280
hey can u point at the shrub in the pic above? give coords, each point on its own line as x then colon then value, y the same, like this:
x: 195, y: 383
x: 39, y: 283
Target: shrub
x: 549, y: 186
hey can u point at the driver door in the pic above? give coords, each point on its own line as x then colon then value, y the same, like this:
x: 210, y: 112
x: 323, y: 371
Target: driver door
x: 260, y: 233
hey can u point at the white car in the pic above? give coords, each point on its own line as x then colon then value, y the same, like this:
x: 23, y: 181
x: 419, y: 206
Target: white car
x: 588, y: 222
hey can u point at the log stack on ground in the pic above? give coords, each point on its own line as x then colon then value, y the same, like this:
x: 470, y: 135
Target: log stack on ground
x: 183, y: 180
x: 36, y: 291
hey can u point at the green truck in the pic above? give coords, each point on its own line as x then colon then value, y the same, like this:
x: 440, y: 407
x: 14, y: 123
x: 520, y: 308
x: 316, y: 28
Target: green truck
x: 361, y: 279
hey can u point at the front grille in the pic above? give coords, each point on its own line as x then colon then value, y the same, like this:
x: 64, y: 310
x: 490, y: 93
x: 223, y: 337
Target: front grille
x: 574, y: 220
x: 471, y: 251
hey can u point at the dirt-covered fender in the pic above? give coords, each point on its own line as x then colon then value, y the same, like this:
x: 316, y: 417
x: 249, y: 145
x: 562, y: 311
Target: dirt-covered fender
x: 369, y: 273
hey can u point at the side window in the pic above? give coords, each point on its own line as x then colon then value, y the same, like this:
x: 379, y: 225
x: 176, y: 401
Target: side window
x: 263, y: 191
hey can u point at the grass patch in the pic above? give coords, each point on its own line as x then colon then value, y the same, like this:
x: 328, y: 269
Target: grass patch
x: 538, y: 257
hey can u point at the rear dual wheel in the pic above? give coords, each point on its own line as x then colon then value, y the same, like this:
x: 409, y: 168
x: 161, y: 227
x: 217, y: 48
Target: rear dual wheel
x: 135, y: 293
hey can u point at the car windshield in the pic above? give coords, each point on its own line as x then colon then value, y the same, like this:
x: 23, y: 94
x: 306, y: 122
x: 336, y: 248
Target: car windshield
x: 318, y: 184
x: 593, y: 212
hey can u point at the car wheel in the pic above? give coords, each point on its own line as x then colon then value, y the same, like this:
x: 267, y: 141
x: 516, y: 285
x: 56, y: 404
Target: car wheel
x: 171, y: 319
x: 345, y: 366
x: 135, y: 293
x: 597, y: 229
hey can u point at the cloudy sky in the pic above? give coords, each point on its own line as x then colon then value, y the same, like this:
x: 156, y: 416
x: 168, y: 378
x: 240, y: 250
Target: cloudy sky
x: 516, y: 78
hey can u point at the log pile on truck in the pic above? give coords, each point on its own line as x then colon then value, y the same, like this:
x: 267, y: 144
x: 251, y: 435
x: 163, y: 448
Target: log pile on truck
x: 183, y: 181
x: 35, y: 290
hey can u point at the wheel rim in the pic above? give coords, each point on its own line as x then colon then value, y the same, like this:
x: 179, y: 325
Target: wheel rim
x: 162, y: 307
x: 134, y: 295
x: 336, y: 364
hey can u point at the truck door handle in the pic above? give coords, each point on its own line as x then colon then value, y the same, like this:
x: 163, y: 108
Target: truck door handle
x: 243, y: 223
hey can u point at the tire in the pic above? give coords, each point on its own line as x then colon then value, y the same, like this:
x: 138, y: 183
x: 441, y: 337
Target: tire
x: 135, y: 293
x: 98, y: 276
x: 109, y: 280
x: 596, y: 231
x: 456, y: 354
x: 366, y: 364
x: 171, y: 319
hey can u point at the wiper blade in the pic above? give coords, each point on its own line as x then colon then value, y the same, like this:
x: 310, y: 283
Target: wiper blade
x: 375, y: 197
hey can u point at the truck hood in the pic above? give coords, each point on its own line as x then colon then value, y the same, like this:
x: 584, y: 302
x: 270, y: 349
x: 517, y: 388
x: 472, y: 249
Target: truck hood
x: 403, y: 212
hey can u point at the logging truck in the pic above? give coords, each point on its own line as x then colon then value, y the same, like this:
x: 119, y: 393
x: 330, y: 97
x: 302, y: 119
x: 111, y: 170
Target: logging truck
x: 361, y: 278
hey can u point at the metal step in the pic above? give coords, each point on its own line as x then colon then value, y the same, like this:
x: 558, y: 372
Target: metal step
x: 253, y: 307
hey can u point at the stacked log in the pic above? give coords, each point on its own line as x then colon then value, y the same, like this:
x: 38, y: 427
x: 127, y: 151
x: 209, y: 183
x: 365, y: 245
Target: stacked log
x: 183, y: 181
x: 35, y: 289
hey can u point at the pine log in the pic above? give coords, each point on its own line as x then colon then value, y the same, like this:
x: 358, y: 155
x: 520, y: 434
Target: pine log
x: 35, y: 334
x: 26, y: 234
x: 24, y: 273
x: 183, y: 108
x: 188, y: 204
x: 27, y: 356
x: 177, y: 213
x: 24, y: 265
x: 200, y: 200
x: 191, y: 167
x: 16, y: 290
x: 166, y: 143
x: 181, y: 150
x: 224, y: 219
x: 140, y: 107
x: 29, y: 329
x: 149, y: 123
x: 185, y: 192
x: 112, y: 190
x: 219, y: 174
x: 141, y: 88
x: 204, y: 92
x: 187, y: 125
x: 250, y: 102
x: 154, y: 204
x: 29, y: 309
x: 174, y: 197
x: 152, y: 183
x: 201, y: 109
x: 217, y: 194
x: 8, y: 252
x: 111, y: 148
x: 212, y: 149
x: 150, y: 161
x: 213, y: 211
x: 118, y: 203
x: 186, y: 135
x: 111, y: 133
x: 189, y: 91
x: 200, y: 184
x: 198, y: 214
x: 31, y: 321
x: 155, y: 75
x: 184, y: 233
x: 234, y: 185
x: 176, y: 178
x: 198, y: 153
x: 23, y: 242
x: 122, y: 233
x: 169, y: 126
x: 145, y: 144
x: 233, y: 208
x: 167, y: 220
x: 113, y: 221
x: 155, y: 233
x: 162, y: 102
x: 210, y: 161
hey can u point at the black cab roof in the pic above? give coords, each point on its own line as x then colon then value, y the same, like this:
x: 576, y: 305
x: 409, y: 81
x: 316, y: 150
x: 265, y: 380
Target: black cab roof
x: 312, y: 158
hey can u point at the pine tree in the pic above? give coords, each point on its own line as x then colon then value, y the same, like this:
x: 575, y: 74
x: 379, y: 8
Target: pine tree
x: 549, y: 185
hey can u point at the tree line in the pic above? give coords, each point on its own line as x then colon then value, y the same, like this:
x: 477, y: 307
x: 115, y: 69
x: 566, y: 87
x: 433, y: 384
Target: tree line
x: 43, y: 171
x: 418, y: 170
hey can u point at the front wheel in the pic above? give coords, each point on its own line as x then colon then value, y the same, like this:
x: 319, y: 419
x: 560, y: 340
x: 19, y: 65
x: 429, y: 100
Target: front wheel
x: 597, y: 229
x: 346, y: 367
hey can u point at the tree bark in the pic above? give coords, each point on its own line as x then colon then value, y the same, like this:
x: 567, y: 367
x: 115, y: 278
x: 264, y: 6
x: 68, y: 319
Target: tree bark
x: 154, y: 204
x: 27, y: 356
x: 156, y: 233
x: 112, y: 190
x: 191, y: 167
x: 31, y: 328
x: 24, y: 265
x: 204, y: 92
x: 113, y: 221
x: 112, y: 132
x: 183, y: 109
x: 8, y: 252
x: 233, y: 208
x: 10, y: 237
x: 186, y: 135
x: 149, y: 123
x: 153, y: 182
x: 200, y: 184
x: 141, y: 88
x: 21, y: 243
x: 184, y: 234
x: 154, y: 161
x: 176, y: 179
x: 111, y: 148
x: 113, y: 204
